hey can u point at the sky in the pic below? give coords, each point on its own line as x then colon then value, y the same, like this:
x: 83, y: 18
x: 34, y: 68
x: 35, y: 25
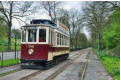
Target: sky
x: 69, y: 4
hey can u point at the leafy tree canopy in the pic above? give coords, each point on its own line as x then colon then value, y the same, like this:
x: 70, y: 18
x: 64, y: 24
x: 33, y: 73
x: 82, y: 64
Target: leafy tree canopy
x: 111, y: 34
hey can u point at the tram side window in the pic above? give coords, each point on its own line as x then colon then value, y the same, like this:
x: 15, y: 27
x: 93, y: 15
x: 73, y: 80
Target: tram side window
x: 42, y: 35
x: 66, y: 41
x: 32, y: 35
x: 58, y: 39
x: 50, y: 37
x: 62, y: 40
x: 24, y: 36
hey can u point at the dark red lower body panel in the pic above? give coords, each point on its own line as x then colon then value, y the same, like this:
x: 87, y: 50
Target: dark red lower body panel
x: 40, y: 52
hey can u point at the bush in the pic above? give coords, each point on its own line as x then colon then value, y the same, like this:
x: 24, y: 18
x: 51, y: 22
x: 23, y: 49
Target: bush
x: 111, y: 35
x: 111, y: 63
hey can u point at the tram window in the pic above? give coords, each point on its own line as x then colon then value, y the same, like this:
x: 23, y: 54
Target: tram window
x: 32, y: 35
x: 65, y: 40
x: 58, y: 38
x: 50, y: 37
x: 24, y: 36
x: 42, y: 35
x: 68, y: 42
x: 62, y: 40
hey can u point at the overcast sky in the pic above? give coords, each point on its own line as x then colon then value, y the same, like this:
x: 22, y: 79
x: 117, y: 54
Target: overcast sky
x: 68, y: 6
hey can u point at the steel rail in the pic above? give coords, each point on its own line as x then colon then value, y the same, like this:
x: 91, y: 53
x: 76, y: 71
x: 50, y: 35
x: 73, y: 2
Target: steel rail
x: 51, y: 77
x: 40, y: 71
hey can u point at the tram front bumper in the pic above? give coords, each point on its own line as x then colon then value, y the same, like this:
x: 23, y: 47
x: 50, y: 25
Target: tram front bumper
x: 33, y: 61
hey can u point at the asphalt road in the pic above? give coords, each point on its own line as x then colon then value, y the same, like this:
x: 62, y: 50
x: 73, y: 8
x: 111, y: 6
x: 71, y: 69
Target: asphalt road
x: 9, y: 55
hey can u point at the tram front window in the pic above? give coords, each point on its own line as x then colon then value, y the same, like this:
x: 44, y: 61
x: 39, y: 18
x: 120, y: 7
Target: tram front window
x: 32, y: 35
x: 24, y: 36
x: 42, y: 35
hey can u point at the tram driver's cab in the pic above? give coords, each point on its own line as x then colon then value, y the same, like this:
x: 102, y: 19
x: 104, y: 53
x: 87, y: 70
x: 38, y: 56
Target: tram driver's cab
x: 37, y: 34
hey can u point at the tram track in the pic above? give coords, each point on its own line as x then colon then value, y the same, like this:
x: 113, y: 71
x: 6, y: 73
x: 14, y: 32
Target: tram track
x: 31, y: 75
x: 63, y: 68
x: 53, y: 75
x: 70, y: 61
x: 76, y: 55
x: 60, y: 70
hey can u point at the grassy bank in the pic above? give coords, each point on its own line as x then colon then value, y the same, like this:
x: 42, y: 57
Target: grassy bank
x: 111, y: 63
x: 9, y: 62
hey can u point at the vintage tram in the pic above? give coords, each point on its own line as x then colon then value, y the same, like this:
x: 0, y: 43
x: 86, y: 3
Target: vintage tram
x: 44, y: 41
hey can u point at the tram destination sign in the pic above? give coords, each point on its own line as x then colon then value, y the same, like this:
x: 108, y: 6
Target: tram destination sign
x: 62, y: 26
x: 31, y: 27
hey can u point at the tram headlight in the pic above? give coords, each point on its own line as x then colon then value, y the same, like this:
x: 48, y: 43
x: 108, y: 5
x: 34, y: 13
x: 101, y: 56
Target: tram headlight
x: 31, y: 51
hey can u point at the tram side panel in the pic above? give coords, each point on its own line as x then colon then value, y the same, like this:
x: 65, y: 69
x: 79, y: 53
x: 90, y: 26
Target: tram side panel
x: 60, y: 51
x: 40, y: 52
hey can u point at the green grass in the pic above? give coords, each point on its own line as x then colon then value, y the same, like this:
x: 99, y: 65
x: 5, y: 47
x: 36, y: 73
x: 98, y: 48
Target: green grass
x: 3, y: 48
x: 9, y: 62
x: 4, y: 44
x: 111, y: 63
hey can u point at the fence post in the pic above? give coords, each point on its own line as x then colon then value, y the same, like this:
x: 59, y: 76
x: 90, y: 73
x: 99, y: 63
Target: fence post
x: 2, y: 60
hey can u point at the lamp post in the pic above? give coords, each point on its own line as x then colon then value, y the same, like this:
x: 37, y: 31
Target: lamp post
x: 98, y: 36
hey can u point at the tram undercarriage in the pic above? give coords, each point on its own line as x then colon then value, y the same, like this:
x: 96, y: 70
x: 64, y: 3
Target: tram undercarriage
x: 42, y: 64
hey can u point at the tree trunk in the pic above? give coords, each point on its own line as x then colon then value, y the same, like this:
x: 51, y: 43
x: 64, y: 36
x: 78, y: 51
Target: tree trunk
x: 9, y: 26
x: 9, y: 36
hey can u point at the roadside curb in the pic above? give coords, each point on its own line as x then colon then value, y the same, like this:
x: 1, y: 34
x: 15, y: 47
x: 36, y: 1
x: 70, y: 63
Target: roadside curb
x: 84, y: 67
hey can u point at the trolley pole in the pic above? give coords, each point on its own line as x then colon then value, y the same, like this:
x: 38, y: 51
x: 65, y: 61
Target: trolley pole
x: 98, y: 36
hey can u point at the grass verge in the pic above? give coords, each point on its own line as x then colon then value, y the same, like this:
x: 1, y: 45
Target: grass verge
x: 9, y: 62
x: 111, y: 63
x: 9, y: 72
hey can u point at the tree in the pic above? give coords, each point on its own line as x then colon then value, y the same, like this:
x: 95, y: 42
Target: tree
x: 111, y: 32
x: 17, y: 32
x: 95, y: 12
x: 3, y: 30
x: 83, y: 42
x: 14, y: 9
x: 51, y: 8
x: 76, y: 25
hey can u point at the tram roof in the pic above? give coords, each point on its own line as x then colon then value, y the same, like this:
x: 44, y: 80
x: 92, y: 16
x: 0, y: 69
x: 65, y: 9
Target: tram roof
x: 44, y: 22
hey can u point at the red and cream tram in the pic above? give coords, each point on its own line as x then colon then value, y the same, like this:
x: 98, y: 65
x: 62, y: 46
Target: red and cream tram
x: 44, y: 41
